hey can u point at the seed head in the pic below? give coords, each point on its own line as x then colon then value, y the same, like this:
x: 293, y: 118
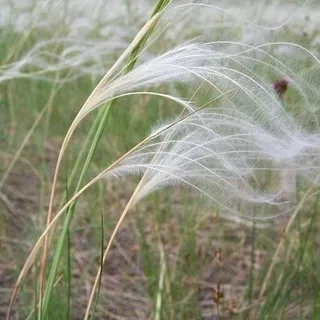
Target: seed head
x: 281, y: 86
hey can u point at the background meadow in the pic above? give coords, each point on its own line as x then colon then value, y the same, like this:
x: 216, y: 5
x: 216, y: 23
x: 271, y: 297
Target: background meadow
x: 233, y: 234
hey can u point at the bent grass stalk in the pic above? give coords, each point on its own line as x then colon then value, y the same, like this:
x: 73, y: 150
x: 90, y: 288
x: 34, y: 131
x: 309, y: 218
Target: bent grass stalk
x: 133, y: 52
x: 40, y: 242
x: 110, y: 242
x: 135, y: 46
x: 129, y: 205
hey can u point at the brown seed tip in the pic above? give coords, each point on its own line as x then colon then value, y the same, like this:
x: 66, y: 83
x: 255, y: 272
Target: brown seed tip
x: 280, y: 86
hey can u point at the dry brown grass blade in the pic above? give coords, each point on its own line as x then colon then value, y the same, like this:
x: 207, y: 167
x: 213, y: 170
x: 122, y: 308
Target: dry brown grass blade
x: 92, y: 102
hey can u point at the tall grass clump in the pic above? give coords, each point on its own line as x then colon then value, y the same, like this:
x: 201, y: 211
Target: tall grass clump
x: 232, y: 140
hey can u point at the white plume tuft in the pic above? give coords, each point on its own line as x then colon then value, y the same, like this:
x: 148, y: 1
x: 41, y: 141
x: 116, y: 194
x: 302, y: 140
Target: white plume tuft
x: 218, y: 153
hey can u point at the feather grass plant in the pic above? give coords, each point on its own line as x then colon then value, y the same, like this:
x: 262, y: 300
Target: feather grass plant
x: 133, y: 51
x: 235, y: 127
